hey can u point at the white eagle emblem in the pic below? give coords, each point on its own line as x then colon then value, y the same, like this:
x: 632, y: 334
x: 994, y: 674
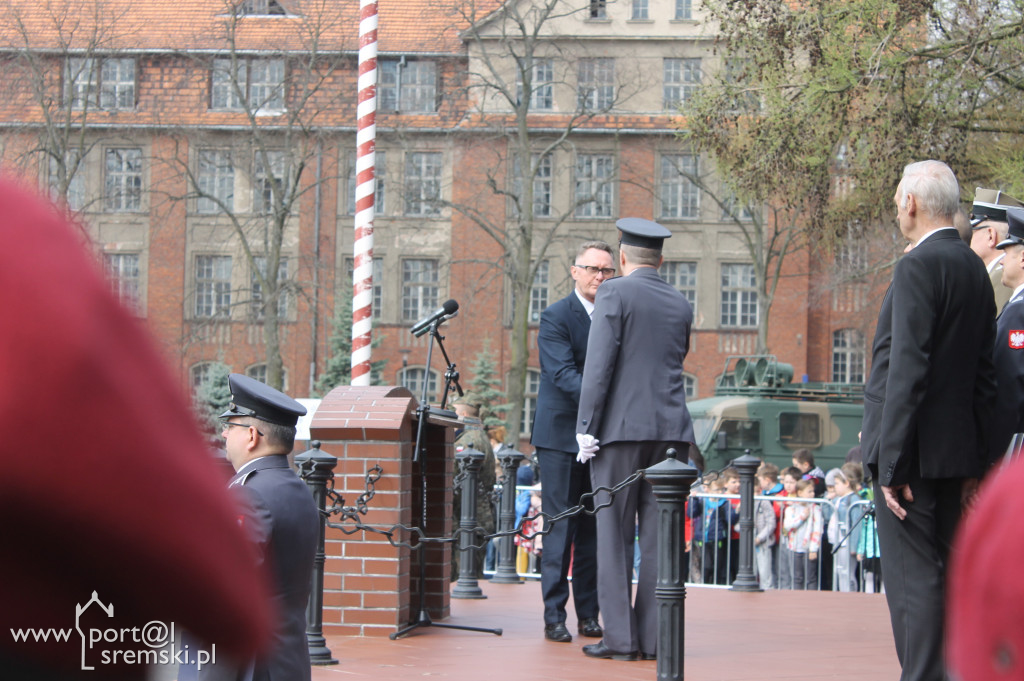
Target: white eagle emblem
x: 1017, y: 340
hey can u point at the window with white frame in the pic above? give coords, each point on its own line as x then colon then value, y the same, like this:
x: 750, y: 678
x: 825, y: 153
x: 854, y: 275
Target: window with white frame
x: 529, y: 402
x: 739, y: 296
x: 261, y: 8
x: 407, y: 85
x: 683, y: 276
x: 595, y: 187
x: 270, y: 177
x: 258, y: 306
x: 422, y: 183
x: 413, y: 377
x: 596, y: 83
x: 380, y: 162
x: 681, y: 80
x: 259, y: 372
x: 200, y: 373
x: 215, y: 181
x: 541, y: 85
x: 123, y: 272
x: 598, y: 9
x: 240, y: 83
x: 540, y: 291
x: 213, y: 286
x: 67, y: 180
x: 680, y: 196
x: 733, y: 210
x: 378, y: 283
x: 420, y: 288
x: 640, y: 10
x: 848, y: 354
x: 122, y: 181
x: 91, y: 82
x: 542, y: 184
x: 689, y: 386
x: 684, y: 9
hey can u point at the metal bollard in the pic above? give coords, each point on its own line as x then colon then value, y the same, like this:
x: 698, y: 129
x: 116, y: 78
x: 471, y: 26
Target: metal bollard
x: 671, y: 481
x: 506, y: 568
x: 316, y: 468
x: 467, y: 586
x: 746, y: 580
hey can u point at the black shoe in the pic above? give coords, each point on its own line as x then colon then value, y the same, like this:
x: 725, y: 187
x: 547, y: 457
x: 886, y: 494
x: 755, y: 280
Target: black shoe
x: 600, y: 650
x: 557, y: 632
x: 648, y: 656
x: 589, y: 627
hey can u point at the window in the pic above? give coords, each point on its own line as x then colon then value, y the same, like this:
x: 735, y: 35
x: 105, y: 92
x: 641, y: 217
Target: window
x: 541, y: 185
x: 684, y: 9
x: 741, y: 433
x: 412, y: 378
x: 594, y: 187
x: 213, y: 286
x: 529, y: 402
x: 258, y: 308
x: 67, y: 180
x: 122, y: 184
x: 848, y: 353
x: 261, y: 8
x: 215, y: 181
x: 269, y: 181
x: 682, y: 77
x: 539, y: 291
x: 259, y: 372
x: 407, y: 86
x: 596, y: 83
x: 378, y: 286
x: 799, y: 430
x: 640, y: 10
x: 105, y: 83
x: 422, y: 183
x: 254, y: 83
x: 380, y: 173
x: 123, y: 271
x: 200, y: 373
x: 690, y: 386
x: 682, y: 275
x: 419, y: 289
x: 541, y: 85
x: 739, y: 296
x: 680, y: 196
x: 598, y: 9
x: 731, y: 209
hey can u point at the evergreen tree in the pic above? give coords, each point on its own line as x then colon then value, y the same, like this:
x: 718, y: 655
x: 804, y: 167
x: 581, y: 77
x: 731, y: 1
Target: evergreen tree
x: 485, y: 385
x: 338, y: 369
x: 212, y: 397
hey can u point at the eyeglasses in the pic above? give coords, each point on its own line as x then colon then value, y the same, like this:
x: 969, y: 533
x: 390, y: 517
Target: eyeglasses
x: 242, y: 425
x: 592, y: 270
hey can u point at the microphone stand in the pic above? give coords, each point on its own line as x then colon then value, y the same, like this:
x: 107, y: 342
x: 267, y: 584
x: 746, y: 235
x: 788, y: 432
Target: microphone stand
x: 422, y: 411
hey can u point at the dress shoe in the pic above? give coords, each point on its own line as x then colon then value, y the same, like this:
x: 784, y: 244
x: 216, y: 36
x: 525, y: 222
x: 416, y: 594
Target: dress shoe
x: 557, y: 632
x: 589, y: 627
x: 648, y: 656
x: 602, y: 651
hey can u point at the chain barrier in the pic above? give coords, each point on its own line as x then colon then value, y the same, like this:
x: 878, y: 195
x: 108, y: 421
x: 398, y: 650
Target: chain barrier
x: 350, y: 515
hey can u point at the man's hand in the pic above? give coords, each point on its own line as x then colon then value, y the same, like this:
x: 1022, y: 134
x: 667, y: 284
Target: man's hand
x: 588, y: 447
x: 892, y: 499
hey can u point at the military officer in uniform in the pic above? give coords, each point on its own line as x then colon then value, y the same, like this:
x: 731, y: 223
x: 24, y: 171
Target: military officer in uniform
x: 1009, y: 350
x: 632, y: 409
x: 988, y: 229
x: 281, y: 519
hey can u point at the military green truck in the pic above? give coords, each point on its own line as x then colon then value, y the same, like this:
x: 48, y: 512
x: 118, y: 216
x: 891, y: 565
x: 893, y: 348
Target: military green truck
x: 758, y: 407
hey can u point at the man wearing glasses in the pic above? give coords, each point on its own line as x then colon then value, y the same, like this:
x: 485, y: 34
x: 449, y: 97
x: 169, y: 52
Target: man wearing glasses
x: 280, y: 518
x: 562, y: 344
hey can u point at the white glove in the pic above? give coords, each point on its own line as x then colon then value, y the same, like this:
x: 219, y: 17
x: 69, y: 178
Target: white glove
x: 588, y: 447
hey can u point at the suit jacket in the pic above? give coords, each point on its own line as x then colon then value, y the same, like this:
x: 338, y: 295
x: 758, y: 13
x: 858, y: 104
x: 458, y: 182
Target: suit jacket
x: 562, y: 345
x: 633, y: 388
x: 932, y: 387
x: 284, y: 523
x: 1009, y: 360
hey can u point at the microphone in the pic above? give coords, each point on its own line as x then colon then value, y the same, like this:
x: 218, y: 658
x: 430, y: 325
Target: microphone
x: 447, y: 310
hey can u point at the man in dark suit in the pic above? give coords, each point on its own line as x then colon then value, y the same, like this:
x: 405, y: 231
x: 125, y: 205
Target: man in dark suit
x: 926, y: 408
x: 632, y: 409
x: 562, y: 344
x: 1009, y: 348
x: 280, y: 518
x: 988, y: 229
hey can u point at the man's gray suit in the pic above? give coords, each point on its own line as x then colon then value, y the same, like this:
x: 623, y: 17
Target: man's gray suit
x: 927, y: 406
x: 633, y: 400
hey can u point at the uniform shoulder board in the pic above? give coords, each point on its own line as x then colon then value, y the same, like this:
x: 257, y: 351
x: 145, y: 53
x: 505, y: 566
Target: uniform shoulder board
x: 242, y: 480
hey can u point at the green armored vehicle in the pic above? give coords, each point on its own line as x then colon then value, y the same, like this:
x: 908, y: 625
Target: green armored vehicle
x: 757, y: 407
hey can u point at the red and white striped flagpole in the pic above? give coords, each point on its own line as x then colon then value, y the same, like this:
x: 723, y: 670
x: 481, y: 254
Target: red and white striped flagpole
x: 366, y: 136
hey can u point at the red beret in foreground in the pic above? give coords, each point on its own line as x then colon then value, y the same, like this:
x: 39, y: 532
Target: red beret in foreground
x: 106, y: 485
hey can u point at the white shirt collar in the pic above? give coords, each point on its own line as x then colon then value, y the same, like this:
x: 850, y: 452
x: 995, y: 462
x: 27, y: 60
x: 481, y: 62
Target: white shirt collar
x: 587, y: 305
x: 921, y: 240
x: 1016, y: 291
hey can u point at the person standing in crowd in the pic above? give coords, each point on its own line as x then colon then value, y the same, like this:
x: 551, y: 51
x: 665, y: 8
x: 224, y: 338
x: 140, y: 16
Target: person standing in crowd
x: 632, y: 409
x: 988, y: 230
x: 766, y: 524
x: 927, y: 406
x: 469, y: 408
x: 281, y: 519
x: 562, y: 346
x: 1009, y: 347
x: 804, y: 460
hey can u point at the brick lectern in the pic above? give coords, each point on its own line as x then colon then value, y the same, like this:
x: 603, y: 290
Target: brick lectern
x: 370, y: 586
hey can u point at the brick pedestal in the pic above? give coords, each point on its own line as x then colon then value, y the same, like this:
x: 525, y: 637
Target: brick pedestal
x: 370, y: 586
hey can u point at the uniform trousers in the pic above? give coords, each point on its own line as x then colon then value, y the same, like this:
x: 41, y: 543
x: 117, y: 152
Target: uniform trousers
x: 628, y: 625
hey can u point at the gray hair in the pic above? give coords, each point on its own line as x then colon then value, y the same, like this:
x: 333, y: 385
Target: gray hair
x: 599, y: 245
x: 934, y: 186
